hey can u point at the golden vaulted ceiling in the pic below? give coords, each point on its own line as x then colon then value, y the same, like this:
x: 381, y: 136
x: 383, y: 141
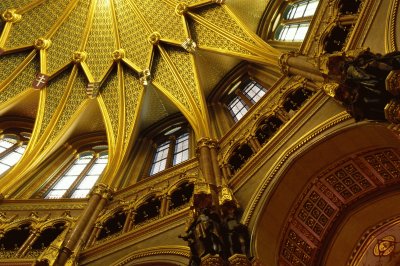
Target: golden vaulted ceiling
x: 117, y: 66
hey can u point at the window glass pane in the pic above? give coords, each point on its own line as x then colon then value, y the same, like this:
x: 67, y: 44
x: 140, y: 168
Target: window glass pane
x: 3, y: 168
x: 76, y: 169
x: 7, y: 142
x: 237, y: 108
x: 311, y: 8
x: 291, y: 32
x: 300, y: 10
x: 55, y: 194
x: 65, y: 182
x: 88, y: 182
x: 11, y: 159
x: 97, y: 169
x: 181, y: 152
x: 254, y: 91
x: 301, y: 32
x: 80, y: 193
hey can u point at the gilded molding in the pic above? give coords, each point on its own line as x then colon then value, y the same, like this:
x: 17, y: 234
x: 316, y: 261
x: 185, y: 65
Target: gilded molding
x: 181, y: 9
x: 391, y: 28
x: 118, y: 55
x: 11, y: 16
x: 79, y: 57
x: 154, y: 38
x: 42, y: 44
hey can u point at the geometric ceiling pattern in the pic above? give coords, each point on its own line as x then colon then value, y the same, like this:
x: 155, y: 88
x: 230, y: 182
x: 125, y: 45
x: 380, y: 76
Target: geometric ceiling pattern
x: 73, y: 52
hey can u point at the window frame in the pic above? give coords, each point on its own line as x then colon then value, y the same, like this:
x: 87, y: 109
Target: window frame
x: 172, y: 139
x: 283, y: 21
x: 73, y: 187
x: 22, y: 139
x: 238, y: 92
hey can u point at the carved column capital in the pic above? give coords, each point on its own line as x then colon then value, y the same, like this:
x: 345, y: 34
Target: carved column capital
x: 103, y: 190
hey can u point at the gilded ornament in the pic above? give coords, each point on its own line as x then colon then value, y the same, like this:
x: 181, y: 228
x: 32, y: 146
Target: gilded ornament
x: 181, y: 9
x: 392, y: 111
x: 42, y: 44
x: 145, y: 77
x: 330, y: 88
x: 219, y: 1
x: 189, y: 45
x: 225, y: 196
x: 93, y: 89
x: 154, y: 38
x: 118, y: 54
x: 239, y: 260
x: 10, y: 16
x: 384, y: 246
x: 212, y: 260
x: 40, y: 81
x: 392, y: 82
x: 79, y: 57
x: 283, y: 62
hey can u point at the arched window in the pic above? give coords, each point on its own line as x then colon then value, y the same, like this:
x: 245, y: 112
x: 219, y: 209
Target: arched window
x: 79, y: 177
x: 12, y: 147
x: 294, y: 22
x: 246, y: 94
x: 173, y: 149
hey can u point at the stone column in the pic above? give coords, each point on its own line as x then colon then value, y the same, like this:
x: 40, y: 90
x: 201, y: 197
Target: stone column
x: 165, y: 201
x: 206, y: 164
x: 214, y: 159
x: 93, y: 236
x: 100, y: 196
x: 35, y: 233
x: 294, y: 63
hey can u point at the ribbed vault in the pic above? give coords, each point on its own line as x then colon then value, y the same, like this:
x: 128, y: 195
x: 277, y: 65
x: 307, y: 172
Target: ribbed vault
x: 111, y: 52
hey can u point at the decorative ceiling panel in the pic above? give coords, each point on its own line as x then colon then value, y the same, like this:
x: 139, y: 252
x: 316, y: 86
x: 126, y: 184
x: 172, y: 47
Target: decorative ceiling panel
x: 110, y: 97
x: 161, y: 17
x: 164, y: 80
x: 9, y: 62
x: 21, y: 83
x: 55, y: 91
x: 35, y: 23
x: 101, y: 41
x: 67, y: 39
x: 75, y: 100
x: 133, y: 34
x: 133, y: 96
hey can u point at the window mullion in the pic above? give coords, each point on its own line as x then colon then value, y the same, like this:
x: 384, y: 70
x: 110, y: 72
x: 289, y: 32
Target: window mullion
x: 10, y: 150
x: 171, y: 151
x: 75, y: 184
x: 244, y: 98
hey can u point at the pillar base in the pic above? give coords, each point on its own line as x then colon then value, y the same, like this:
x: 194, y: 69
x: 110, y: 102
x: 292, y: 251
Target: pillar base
x: 393, y: 82
x: 239, y: 260
x: 392, y: 112
x: 212, y: 260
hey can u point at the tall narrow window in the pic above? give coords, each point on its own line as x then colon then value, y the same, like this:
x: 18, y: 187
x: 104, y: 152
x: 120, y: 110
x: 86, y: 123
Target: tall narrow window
x: 238, y: 108
x: 294, y: 23
x: 246, y: 95
x: 80, y: 176
x: 160, y: 158
x: 11, y: 150
x: 172, y: 151
x: 181, y: 149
